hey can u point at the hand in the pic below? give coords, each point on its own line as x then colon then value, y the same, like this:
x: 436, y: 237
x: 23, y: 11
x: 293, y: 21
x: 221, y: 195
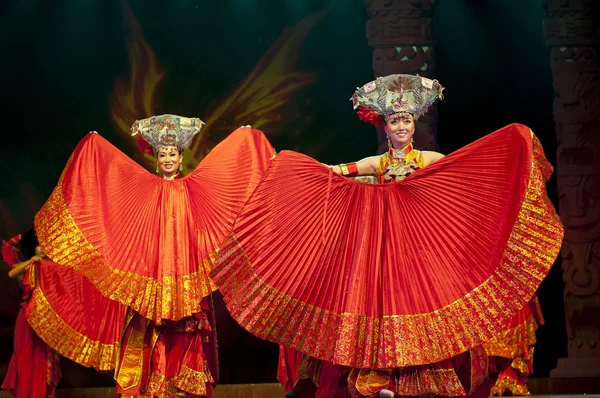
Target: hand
x: 335, y: 169
x: 36, y: 259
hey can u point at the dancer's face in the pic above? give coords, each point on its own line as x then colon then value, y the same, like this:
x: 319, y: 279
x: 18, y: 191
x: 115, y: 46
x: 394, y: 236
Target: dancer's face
x: 400, y: 127
x: 169, y: 158
x: 39, y: 252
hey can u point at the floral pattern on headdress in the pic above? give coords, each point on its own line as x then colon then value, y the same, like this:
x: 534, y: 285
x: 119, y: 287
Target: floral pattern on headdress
x: 397, y: 93
x: 166, y: 130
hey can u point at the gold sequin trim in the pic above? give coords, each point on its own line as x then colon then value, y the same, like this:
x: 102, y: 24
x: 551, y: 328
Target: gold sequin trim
x: 514, y: 342
x: 187, y: 380
x: 193, y: 381
x: 404, y: 340
x: 444, y: 382
x: 170, y: 298
x: 509, y: 383
x: 66, y: 341
x: 524, y: 364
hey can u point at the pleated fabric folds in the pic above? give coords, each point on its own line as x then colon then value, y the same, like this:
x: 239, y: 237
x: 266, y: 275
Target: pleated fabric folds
x: 143, y: 241
x: 393, y: 275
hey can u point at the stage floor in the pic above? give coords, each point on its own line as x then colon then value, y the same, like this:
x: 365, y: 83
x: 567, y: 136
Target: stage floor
x: 267, y: 390
x: 223, y: 391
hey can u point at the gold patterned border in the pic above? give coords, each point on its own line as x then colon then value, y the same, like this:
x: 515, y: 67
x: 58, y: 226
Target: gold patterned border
x: 193, y: 381
x: 66, y: 341
x: 403, y: 340
x: 407, y: 382
x: 514, y: 342
x: 170, y: 298
x: 187, y: 380
x: 441, y: 382
x: 510, y: 383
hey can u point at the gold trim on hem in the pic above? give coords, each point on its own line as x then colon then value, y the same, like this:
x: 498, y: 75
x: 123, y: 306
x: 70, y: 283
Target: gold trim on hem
x: 404, y: 340
x: 509, y: 384
x: 171, y: 298
x: 514, y: 342
x: 65, y: 340
x: 186, y: 381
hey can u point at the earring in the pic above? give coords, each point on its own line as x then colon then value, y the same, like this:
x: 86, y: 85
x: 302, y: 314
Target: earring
x: 389, y: 141
x: 157, y: 169
x: 180, y: 167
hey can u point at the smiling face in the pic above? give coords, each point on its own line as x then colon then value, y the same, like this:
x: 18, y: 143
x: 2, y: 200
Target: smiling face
x: 169, y: 158
x: 400, y: 128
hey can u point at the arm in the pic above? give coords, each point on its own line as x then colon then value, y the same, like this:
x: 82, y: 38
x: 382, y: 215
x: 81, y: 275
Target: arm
x: 364, y: 167
x: 431, y: 156
x: 21, y: 267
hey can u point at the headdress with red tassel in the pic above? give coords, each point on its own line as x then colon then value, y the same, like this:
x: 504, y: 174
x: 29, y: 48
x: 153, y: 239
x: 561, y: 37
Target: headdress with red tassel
x: 165, y: 130
x: 391, y: 94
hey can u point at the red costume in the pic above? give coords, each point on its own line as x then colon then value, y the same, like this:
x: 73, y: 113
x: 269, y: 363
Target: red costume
x: 148, y: 243
x: 34, y: 369
x: 408, y: 286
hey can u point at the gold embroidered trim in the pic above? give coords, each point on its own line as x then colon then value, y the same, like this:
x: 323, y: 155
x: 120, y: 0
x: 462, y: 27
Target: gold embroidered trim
x: 187, y: 380
x: 170, y: 298
x: 444, y: 382
x: 404, y: 340
x: 66, y: 341
x: 514, y: 342
x: 193, y: 381
x: 509, y: 383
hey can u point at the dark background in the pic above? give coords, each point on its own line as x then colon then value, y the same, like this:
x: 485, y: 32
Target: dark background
x: 287, y: 67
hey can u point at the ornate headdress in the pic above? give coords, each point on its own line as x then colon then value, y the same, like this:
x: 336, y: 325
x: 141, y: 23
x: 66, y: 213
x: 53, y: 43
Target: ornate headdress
x: 166, y: 130
x: 391, y: 94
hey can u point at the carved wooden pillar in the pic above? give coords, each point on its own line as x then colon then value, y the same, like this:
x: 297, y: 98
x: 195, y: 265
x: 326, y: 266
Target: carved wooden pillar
x: 572, y: 31
x: 402, y: 37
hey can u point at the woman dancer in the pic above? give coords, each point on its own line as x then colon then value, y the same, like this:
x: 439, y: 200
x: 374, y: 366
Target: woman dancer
x: 397, y: 287
x: 34, y: 369
x: 148, y: 242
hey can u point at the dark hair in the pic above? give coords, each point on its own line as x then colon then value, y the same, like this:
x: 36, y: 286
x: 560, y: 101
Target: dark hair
x: 28, y: 243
